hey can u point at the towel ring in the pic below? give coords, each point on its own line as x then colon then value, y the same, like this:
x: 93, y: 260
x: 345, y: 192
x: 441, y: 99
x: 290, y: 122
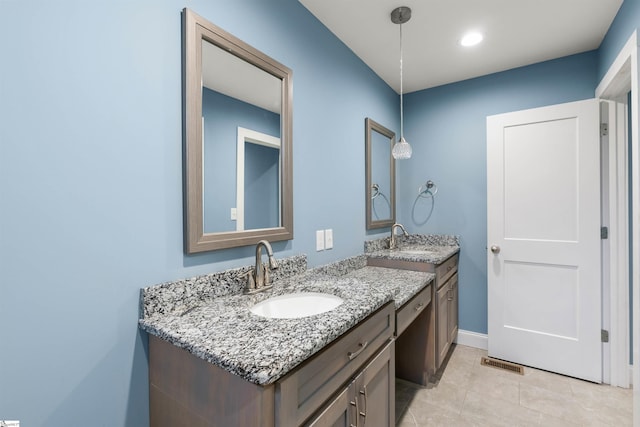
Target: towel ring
x: 375, y: 191
x: 429, y: 188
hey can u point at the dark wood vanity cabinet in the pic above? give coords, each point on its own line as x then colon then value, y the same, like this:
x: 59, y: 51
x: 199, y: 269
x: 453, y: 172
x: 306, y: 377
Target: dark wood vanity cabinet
x: 368, y: 401
x: 406, y: 314
x: 446, y: 308
x: 423, y: 345
x: 301, y: 393
x: 350, y: 382
x: 447, y: 312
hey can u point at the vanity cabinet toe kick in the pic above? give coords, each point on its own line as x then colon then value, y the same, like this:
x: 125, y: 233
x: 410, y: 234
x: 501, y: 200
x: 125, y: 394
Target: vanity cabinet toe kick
x: 350, y: 382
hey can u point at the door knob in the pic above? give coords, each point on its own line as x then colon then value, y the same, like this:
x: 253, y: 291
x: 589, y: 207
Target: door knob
x: 495, y: 249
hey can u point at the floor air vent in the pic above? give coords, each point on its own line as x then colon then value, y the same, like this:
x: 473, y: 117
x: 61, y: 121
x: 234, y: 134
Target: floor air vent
x: 505, y: 366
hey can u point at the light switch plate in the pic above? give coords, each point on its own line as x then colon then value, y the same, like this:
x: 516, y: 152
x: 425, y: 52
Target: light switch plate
x: 328, y: 238
x: 234, y: 214
x: 320, y: 240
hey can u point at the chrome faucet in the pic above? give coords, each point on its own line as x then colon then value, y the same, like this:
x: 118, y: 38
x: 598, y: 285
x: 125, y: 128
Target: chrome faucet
x: 392, y: 240
x: 258, y: 279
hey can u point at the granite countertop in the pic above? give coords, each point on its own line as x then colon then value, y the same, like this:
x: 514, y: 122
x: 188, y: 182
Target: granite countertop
x: 432, y: 249
x: 209, y: 315
x: 401, y: 284
x: 428, y: 254
x: 224, y: 332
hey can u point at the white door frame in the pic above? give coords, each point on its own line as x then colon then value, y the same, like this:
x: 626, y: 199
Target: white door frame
x: 615, y: 249
x: 247, y: 135
x: 621, y: 78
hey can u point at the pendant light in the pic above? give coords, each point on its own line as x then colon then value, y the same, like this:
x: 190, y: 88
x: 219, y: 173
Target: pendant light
x: 401, y: 149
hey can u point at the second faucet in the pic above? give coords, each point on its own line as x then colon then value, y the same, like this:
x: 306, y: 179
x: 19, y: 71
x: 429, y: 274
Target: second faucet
x: 393, y: 244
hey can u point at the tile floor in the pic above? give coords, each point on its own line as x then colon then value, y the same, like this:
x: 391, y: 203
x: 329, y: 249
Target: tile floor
x: 469, y: 394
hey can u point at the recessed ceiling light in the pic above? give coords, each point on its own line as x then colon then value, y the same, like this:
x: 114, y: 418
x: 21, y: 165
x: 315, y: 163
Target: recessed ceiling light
x: 471, y: 39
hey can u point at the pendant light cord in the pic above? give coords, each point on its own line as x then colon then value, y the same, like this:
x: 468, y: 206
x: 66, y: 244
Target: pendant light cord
x: 401, y: 90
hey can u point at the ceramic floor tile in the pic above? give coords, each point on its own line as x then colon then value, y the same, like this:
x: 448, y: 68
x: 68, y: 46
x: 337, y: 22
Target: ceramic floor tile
x: 551, y: 421
x: 457, y: 375
x: 469, y: 394
x: 447, y: 397
x: 546, y: 380
x: 428, y: 414
x: 504, y: 388
x: 498, y: 411
x: 598, y: 396
x: 465, y: 355
x: 560, y: 405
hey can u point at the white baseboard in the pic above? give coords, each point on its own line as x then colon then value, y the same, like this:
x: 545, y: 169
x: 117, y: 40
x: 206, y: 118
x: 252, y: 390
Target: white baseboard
x: 472, y: 339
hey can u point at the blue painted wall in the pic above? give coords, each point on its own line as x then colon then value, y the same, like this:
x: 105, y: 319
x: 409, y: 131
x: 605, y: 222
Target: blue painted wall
x: 262, y: 186
x: 447, y: 129
x: 91, y: 187
x: 91, y: 184
x: 625, y: 23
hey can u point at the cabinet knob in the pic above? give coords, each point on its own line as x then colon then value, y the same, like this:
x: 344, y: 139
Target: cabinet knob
x: 495, y: 249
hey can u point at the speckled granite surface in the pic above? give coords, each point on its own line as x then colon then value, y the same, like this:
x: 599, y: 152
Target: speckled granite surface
x: 413, y: 240
x: 429, y: 248
x: 223, y: 331
x: 342, y: 267
x: 401, y: 284
x: 184, y: 294
x: 209, y: 316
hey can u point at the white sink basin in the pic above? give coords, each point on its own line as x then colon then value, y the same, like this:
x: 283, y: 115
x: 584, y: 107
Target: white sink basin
x: 291, y: 306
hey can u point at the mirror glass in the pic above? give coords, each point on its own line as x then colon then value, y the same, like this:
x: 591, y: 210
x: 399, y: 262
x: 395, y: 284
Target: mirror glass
x: 380, y: 181
x: 237, y: 110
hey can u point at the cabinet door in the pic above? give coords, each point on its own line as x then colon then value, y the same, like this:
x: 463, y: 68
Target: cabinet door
x: 453, y: 309
x: 301, y: 393
x: 442, y: 323
x: 375, y: 390
x: 341, y: 412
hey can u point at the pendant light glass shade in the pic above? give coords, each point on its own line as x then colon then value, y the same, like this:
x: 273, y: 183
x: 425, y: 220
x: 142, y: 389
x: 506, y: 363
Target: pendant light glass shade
x: 401, y: 149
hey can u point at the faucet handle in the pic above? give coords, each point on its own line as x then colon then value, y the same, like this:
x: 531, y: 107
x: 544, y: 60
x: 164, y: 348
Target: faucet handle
x: 251, y: 282
x: 266, y: 276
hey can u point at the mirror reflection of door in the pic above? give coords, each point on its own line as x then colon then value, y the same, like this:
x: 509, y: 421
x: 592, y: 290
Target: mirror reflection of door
x: 258, y: 190
x: 380, y: 177
x: 230, y: 102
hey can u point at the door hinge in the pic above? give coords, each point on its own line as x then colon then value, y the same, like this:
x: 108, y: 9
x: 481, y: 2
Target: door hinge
x: 604, y: 335
x: 604, y: 129
x: 604, y: 232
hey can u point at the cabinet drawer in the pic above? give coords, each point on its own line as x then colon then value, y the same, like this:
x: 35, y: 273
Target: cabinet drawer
x: 446, y: 269
x: 412, y: 308
x: 303, y: 391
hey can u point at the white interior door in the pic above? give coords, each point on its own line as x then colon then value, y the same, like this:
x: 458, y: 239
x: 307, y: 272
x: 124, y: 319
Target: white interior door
x: 543, y: 225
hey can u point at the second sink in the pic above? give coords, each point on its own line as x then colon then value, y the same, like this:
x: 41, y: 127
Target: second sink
x: 296, y: 305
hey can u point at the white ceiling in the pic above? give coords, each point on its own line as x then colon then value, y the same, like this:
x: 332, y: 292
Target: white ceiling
x: 516, y: 33
x: 227, y: 74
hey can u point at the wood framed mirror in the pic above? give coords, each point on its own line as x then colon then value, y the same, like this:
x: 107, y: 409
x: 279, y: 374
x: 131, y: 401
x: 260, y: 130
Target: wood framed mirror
x: 232, y: 91
x: 380, y: 176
